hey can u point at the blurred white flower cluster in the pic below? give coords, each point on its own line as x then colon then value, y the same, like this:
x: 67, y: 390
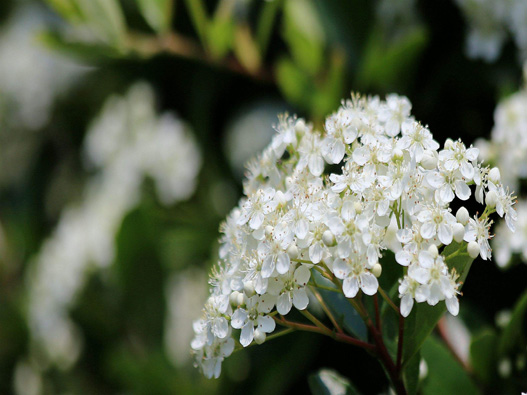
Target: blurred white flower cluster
x: 127, y: 142
x: 507, y: 148
x: 31, y: 79
x: 387, y: 187
x: 490, y: 22
x: 30, y: 91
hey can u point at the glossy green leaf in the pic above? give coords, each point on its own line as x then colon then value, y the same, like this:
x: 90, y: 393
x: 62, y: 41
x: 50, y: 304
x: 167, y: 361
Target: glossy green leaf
x: 423, y: 318
x: 331, y: 91
x: 445, y: 374
x: 158, y: 13
x: 411, y: 374
x: 341, y: 309
x: 483, y: 354
x: 329, y: 382
x: 513, y: 331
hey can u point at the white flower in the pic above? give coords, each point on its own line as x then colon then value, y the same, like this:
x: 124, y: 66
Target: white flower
x: 290, y: 289
x: 437, y: 221
x: 255, y: 208
x: 355, y: 275
x: 253, y: 316
x: 478, y: 230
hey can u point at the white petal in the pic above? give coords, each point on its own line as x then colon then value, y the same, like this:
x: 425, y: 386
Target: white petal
x: 403, y: 258
x: 268, y: 266
x: 435, y: 179
x: 316, y: 165
x: 256, y: 220
x: 266, y: 324
x: 428, y: 230
x: 284, y: 303
x: 350, y: 286
x: 369, y: 283
x: 407, y: 303
x: 445, y: 234
x: 300, y: 299
x: 247, y: 334
x: 283, y: 263
x: 341, y: 268
x: 302, y: 275
x: 220, y: 327
x: 467, y: 170
x: 315, y: 252
x: 452, y: 304
x: 462, y: 190
x: 238, y: 318
x: 446, y: 194
x: 425, y: 259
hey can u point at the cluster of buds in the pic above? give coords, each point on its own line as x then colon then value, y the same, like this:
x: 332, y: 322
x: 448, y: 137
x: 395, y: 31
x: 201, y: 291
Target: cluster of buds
x: 334, y: 202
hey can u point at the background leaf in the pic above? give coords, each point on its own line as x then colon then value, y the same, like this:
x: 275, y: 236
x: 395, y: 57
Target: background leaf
x: 445, y: 374
x: 329, y: 382
x: 158, y: 13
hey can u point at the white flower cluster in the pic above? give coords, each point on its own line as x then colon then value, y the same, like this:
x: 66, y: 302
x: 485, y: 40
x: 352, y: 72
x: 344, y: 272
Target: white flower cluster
x: 387, y: 187
x: 507, y: 148
x: 127, y: 142
x: 490, y: 22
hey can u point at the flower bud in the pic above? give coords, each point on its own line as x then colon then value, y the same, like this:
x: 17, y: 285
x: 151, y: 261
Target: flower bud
x: 473, y: 249
x: 259, y: 336
x: 377, y: 270
x: 292, y: 251
x: 241, y: 299
x: 491, y: 199
x: 234, y: 298
x: 300, y: 126
x: 328, y: 238
x: 433, y: 251
x: 397, y: 154
x: 449, y: 144
x: 462, y: 216
x: 358, y: 207
x: 429, y: 160
x: 248, y: 288
x: 494, y: 175
x: 459, y: 232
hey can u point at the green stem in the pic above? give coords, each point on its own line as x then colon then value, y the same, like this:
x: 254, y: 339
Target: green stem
x: 326, y: 310
x: 388, y: 300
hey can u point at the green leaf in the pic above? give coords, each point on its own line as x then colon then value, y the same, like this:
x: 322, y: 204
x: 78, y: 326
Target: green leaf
x: 445, y: 374
x: 82, y: 51
x: 513, y: 332
x: 158, y: 13
x: 304, y: 35
x: 331, y: 91
x: 295, y: 85
x: 105, y: 18
x: 411, y: 374
x: 68, y: 9
x: 340, y: 308
x: 483, y: 354
x: 386, y: 65
x: 423, y: 318
x: 329, y: 382
x: 221, y: 33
